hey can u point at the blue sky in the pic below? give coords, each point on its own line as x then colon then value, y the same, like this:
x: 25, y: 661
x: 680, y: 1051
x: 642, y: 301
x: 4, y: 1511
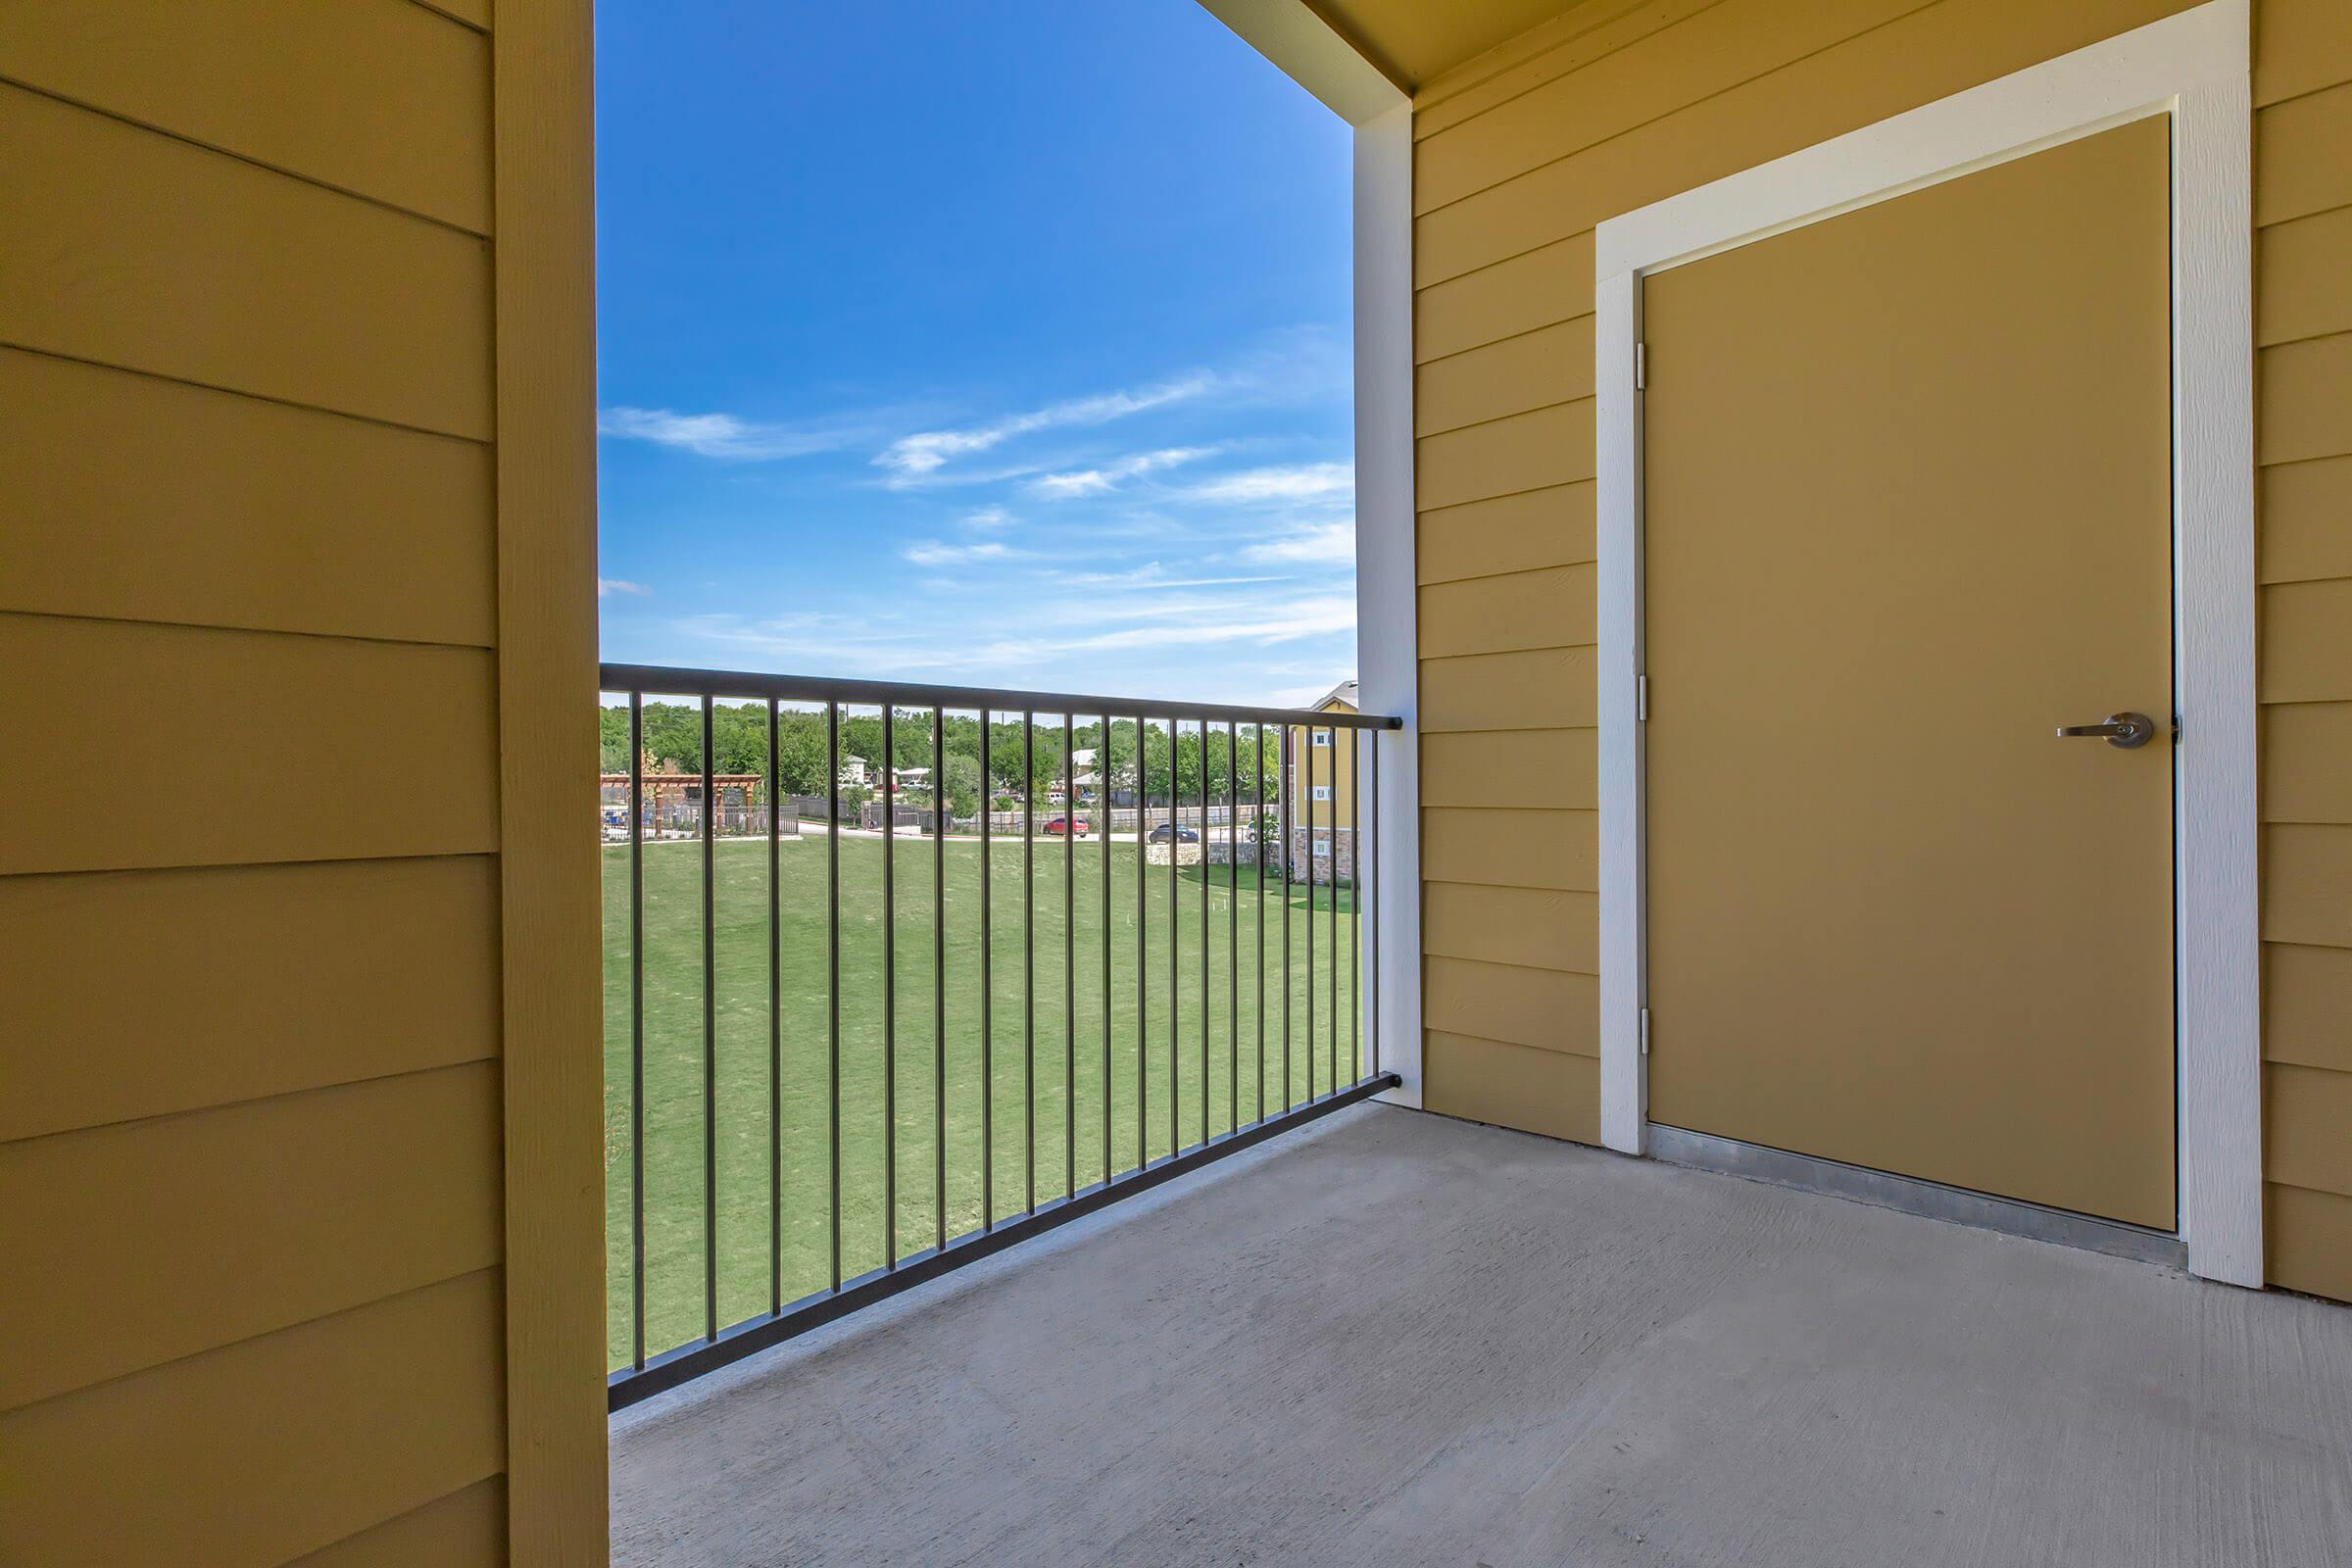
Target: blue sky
x: 994, y: 342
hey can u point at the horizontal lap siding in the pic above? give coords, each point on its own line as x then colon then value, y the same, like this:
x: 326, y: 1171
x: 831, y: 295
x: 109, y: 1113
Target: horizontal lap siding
x: 2303, y: 384
x: 147, y: 993
x: 261, y: 1450
x: 462, y: 1527
x: 235, y: 276
x: 342, y: 525
x: 1525, y: 532
x: 408, y: 95
x: 251, y: 902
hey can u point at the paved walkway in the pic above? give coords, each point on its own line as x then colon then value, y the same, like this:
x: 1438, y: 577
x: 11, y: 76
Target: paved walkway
x: 1400, y: 1339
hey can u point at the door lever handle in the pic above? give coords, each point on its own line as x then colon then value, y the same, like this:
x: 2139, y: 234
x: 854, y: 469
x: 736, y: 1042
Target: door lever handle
x: 2123, y: 731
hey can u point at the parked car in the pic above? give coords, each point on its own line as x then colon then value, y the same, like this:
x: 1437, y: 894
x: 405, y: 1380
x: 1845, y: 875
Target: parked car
x: 1167, y: 831
x: 1056, y: 827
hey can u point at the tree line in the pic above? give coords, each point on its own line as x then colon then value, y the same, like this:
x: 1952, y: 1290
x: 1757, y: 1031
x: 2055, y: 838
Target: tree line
x: 673, y: 742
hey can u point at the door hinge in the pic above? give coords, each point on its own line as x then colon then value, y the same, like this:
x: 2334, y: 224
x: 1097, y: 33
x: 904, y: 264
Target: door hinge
x: 1641, y: 367
x: 1645, y: 1031
x: 1642, y: 698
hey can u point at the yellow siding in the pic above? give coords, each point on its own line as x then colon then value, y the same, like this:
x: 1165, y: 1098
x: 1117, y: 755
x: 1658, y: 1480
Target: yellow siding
x: 342, y: 525
x: 251, y: 746
x: 268, y: 1447
x: 2303, y: 535
x: 464, y: 1527
x: 1605, y: 109
x: 1512, y: 1086
x: 236, y: 276
x: 248, y: 983
x: 2303, y: 315
x: 379, y: 97
x: 1523, y: 532
x: 251, y: 1145
x: 1536, y: 768
x: 308, y: 1204
x: 1541, y: 1008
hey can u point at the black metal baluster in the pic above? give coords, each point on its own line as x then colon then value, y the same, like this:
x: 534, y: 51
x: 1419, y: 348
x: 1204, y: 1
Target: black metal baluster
x: 1357, y: 742
x: 1307, y: 807
x: 1203, y: 768
x: 637, y: 1023
x: 709, y: 1042
x: 988, y: 993
x: 1029, y: 956
x: 1258, y: 863
x: 1143, y: 954
x: 1103, y: 843
x: 1069, y: 959
x: 890, y: 988
x: 776, y: 1024
x: 938, y: 977
x: 1175, y: 949
x: 1233, y: 926
x: 833, y: 973
x: 1331, y: 879
x: 1373, y: 1004
x: 1281, y: 790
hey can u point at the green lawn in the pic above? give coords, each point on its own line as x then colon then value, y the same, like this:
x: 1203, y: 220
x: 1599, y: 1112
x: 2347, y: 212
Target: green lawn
x: 674, y: 1157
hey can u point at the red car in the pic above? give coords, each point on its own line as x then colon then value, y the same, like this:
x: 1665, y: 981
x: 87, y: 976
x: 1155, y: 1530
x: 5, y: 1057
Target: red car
x: 1056, y: 827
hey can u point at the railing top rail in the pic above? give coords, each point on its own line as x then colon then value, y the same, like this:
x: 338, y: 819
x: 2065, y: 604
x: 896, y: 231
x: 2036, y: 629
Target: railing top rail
x: 669, y: 681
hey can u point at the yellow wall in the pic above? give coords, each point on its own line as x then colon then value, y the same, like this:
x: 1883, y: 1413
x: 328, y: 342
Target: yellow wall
x: 1518, y: 155
x: 253, y: 1142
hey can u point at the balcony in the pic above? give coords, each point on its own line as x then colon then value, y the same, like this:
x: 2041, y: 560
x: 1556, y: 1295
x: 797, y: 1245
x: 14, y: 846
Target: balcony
x: 1396, y: 1338
x: 1066, y: 1186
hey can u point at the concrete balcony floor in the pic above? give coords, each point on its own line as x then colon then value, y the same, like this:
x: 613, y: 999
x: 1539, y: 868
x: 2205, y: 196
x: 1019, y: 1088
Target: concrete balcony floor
x: 1394, y: 1338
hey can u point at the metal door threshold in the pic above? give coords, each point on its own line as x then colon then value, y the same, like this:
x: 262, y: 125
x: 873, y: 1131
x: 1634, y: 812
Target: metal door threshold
x: 1911, y: 1195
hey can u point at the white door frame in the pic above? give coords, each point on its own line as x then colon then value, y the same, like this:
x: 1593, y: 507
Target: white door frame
x: 2192, y: 67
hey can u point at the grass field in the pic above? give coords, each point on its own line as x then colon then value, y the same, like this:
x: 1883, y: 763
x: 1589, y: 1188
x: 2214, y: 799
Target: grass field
x: 1060, y: 1085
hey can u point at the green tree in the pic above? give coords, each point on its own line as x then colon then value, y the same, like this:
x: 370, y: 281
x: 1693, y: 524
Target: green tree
x: 673, y: 736
x: 800, y: 754
x: 960, y: 779
x: 1158, y: 765
x: 613, y: 739
x: 739, y: 738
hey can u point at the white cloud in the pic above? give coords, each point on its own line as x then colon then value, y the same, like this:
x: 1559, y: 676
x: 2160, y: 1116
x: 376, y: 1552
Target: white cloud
x: 987, y: 518
x: 936, y: 553
x: 1279, y: 621
x: 1096, y: 481
x: 1302, y: 481
x: 1319, y: 544
x: 606, y: 587
x: 913, y: 458
x: 722, y: 435
x: 831, y: 644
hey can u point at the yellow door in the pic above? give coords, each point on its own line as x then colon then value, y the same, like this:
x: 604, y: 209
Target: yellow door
x: 1908, y: 512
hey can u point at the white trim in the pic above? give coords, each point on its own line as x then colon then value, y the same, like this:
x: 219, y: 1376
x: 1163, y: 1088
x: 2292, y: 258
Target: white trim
x: 2194, y: 67
x: 1304, y: 48
x: 1624, y: 879
x: 1387, y: 635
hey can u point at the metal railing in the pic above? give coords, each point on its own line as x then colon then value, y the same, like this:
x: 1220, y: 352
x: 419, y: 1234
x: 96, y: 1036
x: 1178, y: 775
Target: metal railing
x: 797, y: 982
